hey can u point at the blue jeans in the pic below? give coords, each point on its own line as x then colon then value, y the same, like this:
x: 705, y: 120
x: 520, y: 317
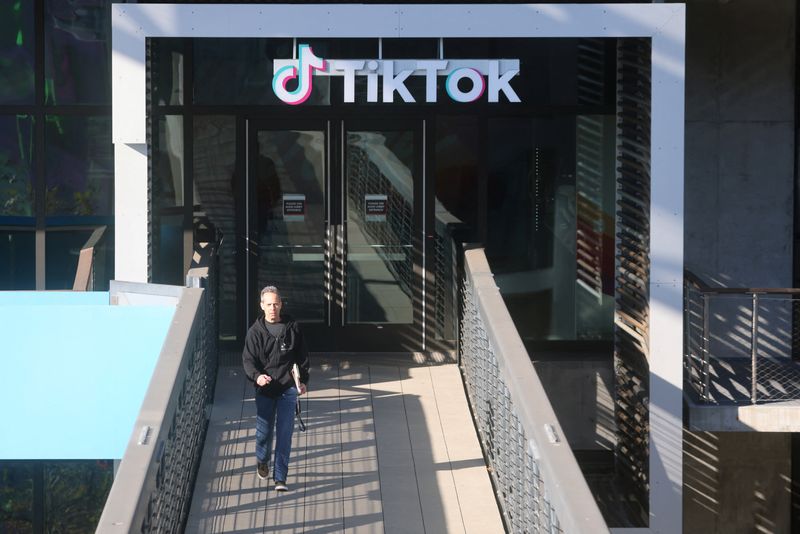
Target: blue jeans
x: 267, y: 408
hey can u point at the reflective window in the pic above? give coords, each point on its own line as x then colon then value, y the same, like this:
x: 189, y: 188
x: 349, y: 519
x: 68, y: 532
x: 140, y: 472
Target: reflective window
x: 166, y: 71
x: 16, y: 496
x: 167, y: 201
x: 62, y: 249
x: 289, y: 178
x: 380, y: 168
x: 77, y: 52
x: 238, y: 71
x: 17, y: 260
x: 16, y: 160
x: 550, y: 204
x: 75, y: 493
x: 455, y: 212
x: 16, y: 52
x: 79, y: 168
x: 214, y: 192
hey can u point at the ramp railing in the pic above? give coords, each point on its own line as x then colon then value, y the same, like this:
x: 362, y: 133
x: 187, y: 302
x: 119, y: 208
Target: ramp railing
x: 152, y: 489
x: 739, y: 343
x: 539, y: 484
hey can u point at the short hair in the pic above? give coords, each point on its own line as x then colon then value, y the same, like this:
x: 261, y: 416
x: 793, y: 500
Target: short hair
x: 270, y: 289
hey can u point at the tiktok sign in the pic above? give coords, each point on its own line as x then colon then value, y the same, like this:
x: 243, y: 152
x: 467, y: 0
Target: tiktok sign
x: 467, y: 80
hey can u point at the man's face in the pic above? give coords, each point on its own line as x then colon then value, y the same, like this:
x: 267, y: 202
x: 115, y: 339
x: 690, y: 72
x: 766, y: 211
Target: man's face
x: 271, y: 304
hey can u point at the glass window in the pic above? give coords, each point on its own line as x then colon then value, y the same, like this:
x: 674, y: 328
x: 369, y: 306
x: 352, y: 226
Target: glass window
x: 457, y: 175
x: 16, y: 52
x: 16, y: 158
x: 167, y: 201
x: 550, y: 213
x: 166, y: 71
x: 380, y: 167
x: 77, y: 52
x: 16, y: 496
x: 455, y: 212
x: 17, y: 259
x: 62, y: 249
x: 214, y: 190
x: 237, y: 71
x: 79, y: 167
x: 75, y: 494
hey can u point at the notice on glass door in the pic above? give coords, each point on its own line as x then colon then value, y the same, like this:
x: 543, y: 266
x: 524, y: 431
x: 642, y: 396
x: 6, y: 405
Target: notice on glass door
x: 375, y: 208
x: 294, y: 207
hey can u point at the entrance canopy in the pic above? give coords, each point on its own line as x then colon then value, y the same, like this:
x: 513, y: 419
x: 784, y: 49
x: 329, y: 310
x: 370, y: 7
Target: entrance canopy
x: 663, y: 24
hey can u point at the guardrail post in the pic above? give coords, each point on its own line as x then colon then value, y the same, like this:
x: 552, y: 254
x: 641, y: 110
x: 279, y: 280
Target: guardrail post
x: 753, y: 350
x: 706, y: 365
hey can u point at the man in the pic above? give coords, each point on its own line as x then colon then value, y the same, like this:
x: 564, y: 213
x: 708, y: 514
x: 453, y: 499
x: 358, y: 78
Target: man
x: 272, y: 346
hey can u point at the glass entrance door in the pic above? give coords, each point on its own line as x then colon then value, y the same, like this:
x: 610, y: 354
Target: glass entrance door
x: 334, y: 221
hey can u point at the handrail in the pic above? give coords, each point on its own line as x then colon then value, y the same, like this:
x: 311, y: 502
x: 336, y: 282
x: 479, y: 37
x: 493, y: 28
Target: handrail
x: 705, y: 288
x: 701, y: 361
x: 152, y: 489
x: 541, y: 487
x: 84, y: 279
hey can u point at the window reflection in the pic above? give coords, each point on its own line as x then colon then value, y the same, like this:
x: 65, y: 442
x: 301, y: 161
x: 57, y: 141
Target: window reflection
x: 290, y: 207
x: 16, y: 158
x: 214, y: 168
x: 79, y: 166
x: 18, y: 265
x: 16, y: 496
x: 166, y: 70
x: 380, y: 263
x: 16, y: 52
x: 77, y: 52
x: 167, y: 201
x: 550, y: 204
x: 62, y: 249
x: 75, y: 492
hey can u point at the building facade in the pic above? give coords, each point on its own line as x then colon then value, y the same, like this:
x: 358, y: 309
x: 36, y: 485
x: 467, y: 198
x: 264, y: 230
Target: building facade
x: 353, y: 190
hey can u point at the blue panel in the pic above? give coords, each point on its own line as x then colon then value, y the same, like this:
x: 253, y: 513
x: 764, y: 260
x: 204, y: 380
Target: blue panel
x: 49, y: 298
x: 73, y: 377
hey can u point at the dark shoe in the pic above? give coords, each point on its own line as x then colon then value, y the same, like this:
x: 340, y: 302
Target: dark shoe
x: 263, y: 470
x: 280, y: 485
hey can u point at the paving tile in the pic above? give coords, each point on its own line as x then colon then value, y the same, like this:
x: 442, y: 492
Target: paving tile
x: 389, y: 448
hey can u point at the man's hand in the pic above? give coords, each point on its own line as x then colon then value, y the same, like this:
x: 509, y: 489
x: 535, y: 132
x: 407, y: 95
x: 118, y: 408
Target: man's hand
x: 263, y: 380
x: 302, y: 388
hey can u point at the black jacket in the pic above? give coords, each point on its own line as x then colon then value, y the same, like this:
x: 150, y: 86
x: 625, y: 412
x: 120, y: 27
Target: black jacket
x: 265, y: 354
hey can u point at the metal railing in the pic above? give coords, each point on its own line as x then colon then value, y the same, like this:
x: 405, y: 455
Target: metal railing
x: 86, y: 271
x: 153, y: 487
x: 538, y: 482
x: 739, y: 343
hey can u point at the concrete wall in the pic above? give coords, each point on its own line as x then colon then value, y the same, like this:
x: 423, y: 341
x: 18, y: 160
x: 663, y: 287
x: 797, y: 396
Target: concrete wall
x: 740, y: 152
x: 740, y: 91
x: 736, y: 482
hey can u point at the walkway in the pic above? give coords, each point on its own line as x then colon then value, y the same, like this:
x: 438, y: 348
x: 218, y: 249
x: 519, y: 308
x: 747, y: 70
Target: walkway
x: 385, y: 451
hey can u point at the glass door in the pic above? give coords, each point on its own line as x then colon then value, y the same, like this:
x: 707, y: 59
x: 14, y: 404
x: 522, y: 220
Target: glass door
x: 334, y: 221
x: 381, y: 231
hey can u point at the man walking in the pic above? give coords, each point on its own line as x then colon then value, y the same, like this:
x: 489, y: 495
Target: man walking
x: 274, y: 344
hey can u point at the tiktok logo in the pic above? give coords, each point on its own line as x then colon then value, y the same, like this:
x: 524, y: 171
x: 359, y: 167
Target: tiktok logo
x: 467, y: 79
x: 308, y: 63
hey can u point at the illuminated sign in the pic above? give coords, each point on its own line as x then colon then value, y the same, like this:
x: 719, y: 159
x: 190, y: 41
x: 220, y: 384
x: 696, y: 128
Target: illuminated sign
x: 467, y: 79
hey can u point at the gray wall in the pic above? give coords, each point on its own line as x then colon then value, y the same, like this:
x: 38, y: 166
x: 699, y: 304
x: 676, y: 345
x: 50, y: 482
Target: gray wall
x: 740, y: 90
x: 740, y: 150
x: 736, y: 482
